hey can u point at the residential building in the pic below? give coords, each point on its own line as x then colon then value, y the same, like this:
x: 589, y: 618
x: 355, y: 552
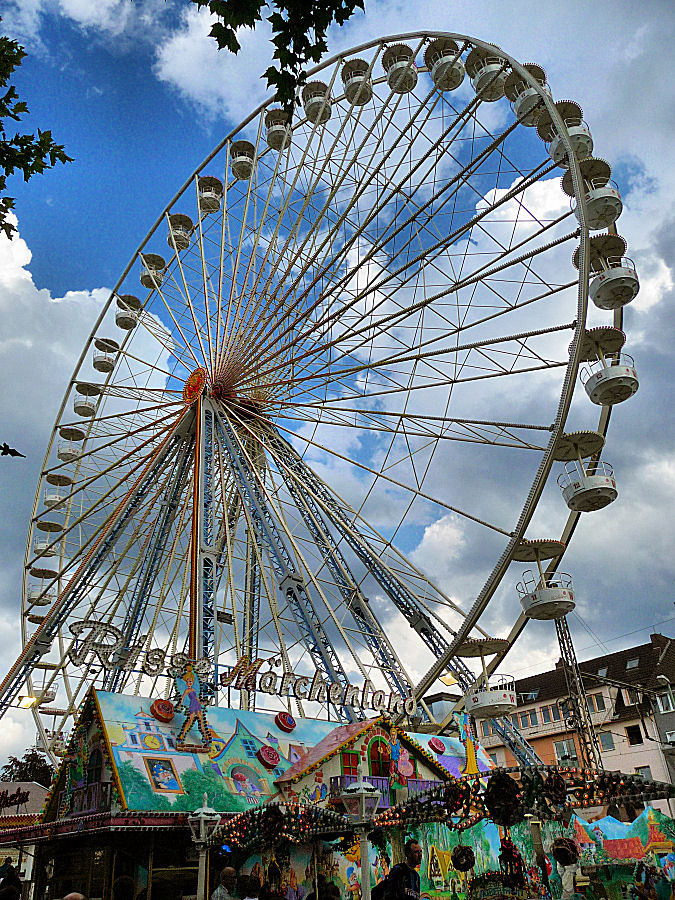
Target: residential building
x: 633, y: 728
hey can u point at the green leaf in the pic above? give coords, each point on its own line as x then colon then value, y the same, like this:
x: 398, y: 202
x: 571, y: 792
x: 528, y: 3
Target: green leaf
x: 298, y: 35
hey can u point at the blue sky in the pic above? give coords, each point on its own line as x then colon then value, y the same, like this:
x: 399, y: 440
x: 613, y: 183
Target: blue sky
x: 139, y: 96
x: 132, y: 140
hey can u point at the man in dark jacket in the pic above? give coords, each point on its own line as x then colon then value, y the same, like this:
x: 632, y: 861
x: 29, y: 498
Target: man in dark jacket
x: 404, y: 877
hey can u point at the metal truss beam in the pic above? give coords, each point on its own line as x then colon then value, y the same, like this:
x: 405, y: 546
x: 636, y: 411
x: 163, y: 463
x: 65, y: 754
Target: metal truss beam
x: 373, y: 633
x: 401, y: 596
x: 591, y: 757
x: 150, y: 561
x: 289, y: 579
x: 81, y: 583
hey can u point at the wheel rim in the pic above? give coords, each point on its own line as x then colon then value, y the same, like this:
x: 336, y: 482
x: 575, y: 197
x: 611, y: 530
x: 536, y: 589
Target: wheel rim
x: 329, y: 328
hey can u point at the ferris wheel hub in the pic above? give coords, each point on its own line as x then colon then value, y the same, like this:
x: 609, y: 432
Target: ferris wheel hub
x: 194, y: 386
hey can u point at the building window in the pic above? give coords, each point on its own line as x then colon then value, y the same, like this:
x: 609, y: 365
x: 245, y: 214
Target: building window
x: 645, y: 771
x: 632, y: 663
x: 379, y: 756
x: 350, y: 763
x: 596, y: 703
x: 546, y: 715
x: 94, y: 767
x: 602, y: 672
x: 670, y: 737
x: 249, y: 747
x: 634, y: 735
x: 147, y: 726
x: 133, y: 738
x: 606, y: 740
x: 565, y: 752
x: 664, y: 702
x: 528, y: 719
x: 631, y: 697
x: 555, y: 712
x: 279, y: 771
x: 493, y: 757
x: 485, y: 728
x: 170, y: 741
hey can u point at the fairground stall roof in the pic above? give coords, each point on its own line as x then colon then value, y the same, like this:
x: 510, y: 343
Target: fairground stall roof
x: 252, y: 756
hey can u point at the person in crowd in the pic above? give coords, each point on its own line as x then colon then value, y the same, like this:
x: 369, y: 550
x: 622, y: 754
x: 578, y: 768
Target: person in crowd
x: 405, y: 879
x: 227, y: 883
x: 10, y: 889
x: 250, y: 887
x: 75, y: 895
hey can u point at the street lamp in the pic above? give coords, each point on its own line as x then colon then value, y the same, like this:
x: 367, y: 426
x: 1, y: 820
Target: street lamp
x: 203, y: 822
x: 361, y: 800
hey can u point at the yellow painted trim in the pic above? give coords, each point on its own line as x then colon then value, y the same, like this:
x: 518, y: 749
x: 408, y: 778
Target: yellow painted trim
x: 113, y: 767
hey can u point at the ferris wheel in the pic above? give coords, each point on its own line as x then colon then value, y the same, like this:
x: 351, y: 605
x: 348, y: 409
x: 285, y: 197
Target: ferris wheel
x: 350, y: 330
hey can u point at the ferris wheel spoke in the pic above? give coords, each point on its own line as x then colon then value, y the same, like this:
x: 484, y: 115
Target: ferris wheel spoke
x: 391, y: 319
x: 381, y: 240
x: 206, y: 356
x: 187, y: 346
x: 149, y: 446
x: 371, y: 170
x: 382, y: 200
x: 479, y: 434
x: 418, y: 494
x: 381, y: 365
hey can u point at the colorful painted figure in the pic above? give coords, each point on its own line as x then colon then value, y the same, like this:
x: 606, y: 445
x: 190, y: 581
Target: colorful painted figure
x: 397, y: 778
x: 294, y: 891
x: 353, y: 886
x: 164, y: 778
x: 189, y: 687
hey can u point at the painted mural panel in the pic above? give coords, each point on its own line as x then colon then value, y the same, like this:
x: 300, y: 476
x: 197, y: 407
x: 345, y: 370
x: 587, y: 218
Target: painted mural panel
x: 609, y: 852
x: 155, y: 774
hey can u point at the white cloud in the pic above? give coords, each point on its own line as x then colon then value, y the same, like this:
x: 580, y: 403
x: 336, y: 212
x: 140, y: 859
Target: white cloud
x: 41, y: 338
x: 218, y: 82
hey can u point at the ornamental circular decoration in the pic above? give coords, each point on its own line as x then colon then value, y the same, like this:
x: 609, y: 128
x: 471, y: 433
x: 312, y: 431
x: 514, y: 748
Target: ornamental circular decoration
x: 162, y: 710
x: 268, y: 756
x: 194, y: 385
x: 437, y: 745
x: 463, y: 858
x: 285, y: 722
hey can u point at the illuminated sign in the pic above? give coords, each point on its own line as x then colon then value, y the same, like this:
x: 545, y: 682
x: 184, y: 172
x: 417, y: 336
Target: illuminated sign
x: 102, y: 643
x: 246, y: 676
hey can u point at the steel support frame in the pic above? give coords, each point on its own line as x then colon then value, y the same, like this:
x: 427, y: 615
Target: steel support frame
x: 289, y: 579
x: 81, y: 583
x: 398, y: 592
x: 589, y: 749
x: 348, y: 586
x: 150, y: 561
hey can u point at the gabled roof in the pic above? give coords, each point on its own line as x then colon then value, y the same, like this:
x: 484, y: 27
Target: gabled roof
x: 337, y: 739
x: 345, y: 736
x: 654, y: 658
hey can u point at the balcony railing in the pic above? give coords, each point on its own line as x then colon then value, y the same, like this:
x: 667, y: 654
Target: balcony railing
x: 381, y: 782
x: 89, y: 799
